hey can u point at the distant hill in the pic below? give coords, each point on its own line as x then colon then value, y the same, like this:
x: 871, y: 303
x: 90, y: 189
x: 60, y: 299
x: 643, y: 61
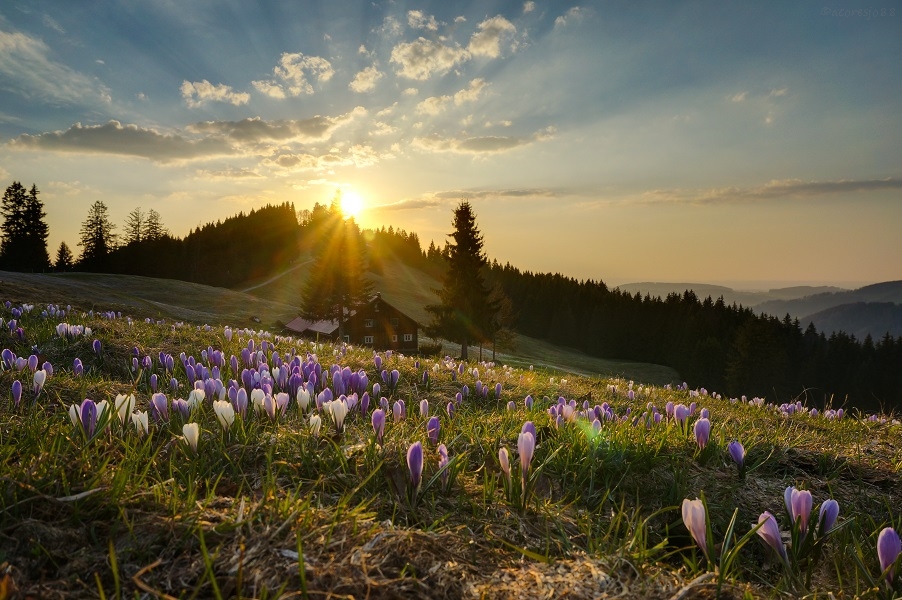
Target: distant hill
x: 859, y: 319
x: 750, y: 299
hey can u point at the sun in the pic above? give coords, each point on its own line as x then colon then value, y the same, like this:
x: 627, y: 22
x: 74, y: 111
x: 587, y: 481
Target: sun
x: 351, y: 204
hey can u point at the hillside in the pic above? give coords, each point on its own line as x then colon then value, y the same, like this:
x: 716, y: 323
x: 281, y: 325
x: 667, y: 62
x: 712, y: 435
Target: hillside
x: 860, y: 319
x: 730, y: 295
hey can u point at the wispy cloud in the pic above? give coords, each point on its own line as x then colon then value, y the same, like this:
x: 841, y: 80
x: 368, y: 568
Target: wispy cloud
x: 447, y: 197
x: 198, y: 93
x: 492, y: 33
x: 228, y: 174
x: 435, y: 105
x: 254, y: 130
x: 417, y: 19
x: 365, y: 80
x: 422, y: 58
x: 785, y: 188
x: 573, y: 15
x: 27, y: 69
x: 293, y: 75
x: 480, y: 145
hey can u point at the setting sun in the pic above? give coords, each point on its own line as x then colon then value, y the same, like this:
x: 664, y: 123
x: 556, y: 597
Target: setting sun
x: 351, y: 204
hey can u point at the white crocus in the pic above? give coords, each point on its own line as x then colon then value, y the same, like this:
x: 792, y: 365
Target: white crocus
x: 40, y: 376
x: 75, y: 415
x: 303, y: 398
x: 338, y: 411
x: 225, y: 413
x: 140, y: 420
x: 196, y: 398
x: 124, y: 406
x: 191, y: 431
x: 257, y: 396
x: 316, y: 423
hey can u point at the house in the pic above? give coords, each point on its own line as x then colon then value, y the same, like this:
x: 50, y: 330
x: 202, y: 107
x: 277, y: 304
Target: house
x: 377, y: 323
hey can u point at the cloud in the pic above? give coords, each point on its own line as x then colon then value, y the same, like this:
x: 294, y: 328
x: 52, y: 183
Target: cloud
x: 52, y: 23
x: 391, y: 27
x: 422, y: 58
x: 784, y: 188
x: 256, y: 130
x: 489, y: 144
x: 358, y: 155
x: 26, y: 69
x: 528, y: 7
x: 436, y: 104
x: 381, y: 128
x: 228, y: 174
x: 417, y: 19
x: 198, y: 93
x: 293, y: 75
x: 443, y: 198
x: 739, y: 97
x: 574, y: 15
x: 365, y: 80
x: 471, y: 93
x: 433, y: 105
x: 410, y: 91
x: 487, y: 41
x: 778, y: 92
x: 125, y: 140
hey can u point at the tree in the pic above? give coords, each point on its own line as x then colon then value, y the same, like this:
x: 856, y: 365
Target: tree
x: 465, y: 312
x: 153, y: 226
x: 24, y: 232
x: 97, y: 237
x: 64, y: 258
x: 337, y: 283
x: 134, y: 226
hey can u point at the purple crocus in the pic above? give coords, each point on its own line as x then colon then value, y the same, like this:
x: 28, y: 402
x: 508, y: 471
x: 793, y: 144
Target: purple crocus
x: 415, y: 464
x: 88, y: 415
x: 702, y: 432
x: 526, y: 446
x: 531, y: 428
x: 443, y: 462
x: 497, y: 390
x: 827, y: 515
x: 737, y: 453
x: 17, y: 392
x: 433, y: 427
x: 159, y: 407
x: 424, y: 407
x: 888, y: 549
x: 393, y: 381
x: 528, y: 402
x: 379, y: 424
x: 97, y: 347
x: 377, y: 362
x: 770, y: 533
x: 78, y: 368
x: 798, y: 505
x: 450, y: 409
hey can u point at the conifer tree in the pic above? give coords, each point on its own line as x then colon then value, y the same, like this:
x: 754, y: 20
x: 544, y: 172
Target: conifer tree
x: 338, y: 282
x: 96, y: 237
x: 134, y: 226
x: 465, y: 312
x: 152, y: 228
x: 64, y: 258
x: 24, y: 231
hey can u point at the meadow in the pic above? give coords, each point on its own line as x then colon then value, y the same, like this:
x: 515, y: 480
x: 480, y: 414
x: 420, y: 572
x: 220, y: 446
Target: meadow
x: 144, y: 457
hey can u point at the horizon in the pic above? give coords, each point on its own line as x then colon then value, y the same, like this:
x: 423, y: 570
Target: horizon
x: 754, y: 147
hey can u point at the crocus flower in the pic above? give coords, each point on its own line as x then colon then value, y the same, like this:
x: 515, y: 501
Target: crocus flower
x: 770, y: 533
x: 85, y: 415
x: 415, y: 464
x: 702, y: 432
x: 798, y: 505
x: 33, y: 363
x: 827, y: 515
x: 181, y: 406
x: 526, y: 446
x: 528, y: 402
x: 737, y: 453
x: 695, y: 520
x: 395, y: 376
x: 316, y: 423
x: 97, y: 347
x: 443, y: 462
x: 338, y: 410
x: 78, y: 369
x: 191, y: 432
x: 159, y: 407
x: 681, y: 413
x: 377, y: 362
x: 511, y: 405
x: 140, y: 420
x: 531, y: 428
x: 124, y: 406
x: 225, y: 413
x: 424, y: 407
x: 505, y: 462
x: 378, y: 424
x: 17, y: 391
x: 48, y: 368
x: 497, y: 390
x: 888, y: 549
x: 303, y: 398
x: 432, y: 429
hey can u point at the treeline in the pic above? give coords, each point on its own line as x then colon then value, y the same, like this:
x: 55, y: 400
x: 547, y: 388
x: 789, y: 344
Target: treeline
x: 725, y: 348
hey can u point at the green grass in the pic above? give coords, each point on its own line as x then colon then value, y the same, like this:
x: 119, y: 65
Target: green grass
x: 270, y: 510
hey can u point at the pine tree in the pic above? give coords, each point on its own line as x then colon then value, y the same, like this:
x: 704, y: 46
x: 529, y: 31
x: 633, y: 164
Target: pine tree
x: 97, y: 237
x: 134, y: 227
x: 64, y: 258
x: 337, y: 283
x: 465, y: 312
x: 24, y: 231
x: 153, y: 226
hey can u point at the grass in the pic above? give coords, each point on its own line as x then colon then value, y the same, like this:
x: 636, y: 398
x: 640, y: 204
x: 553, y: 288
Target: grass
x: 270, y: 510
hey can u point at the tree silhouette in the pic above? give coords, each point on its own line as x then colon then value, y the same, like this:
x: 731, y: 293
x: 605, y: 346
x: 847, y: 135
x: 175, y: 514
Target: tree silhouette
x: 64, y: 258
x: 134, y: 226
x: 337, y: 282
x: 465, y: 313
x: 152, y: 228
x: 96, y: 237
x: 24, y: 231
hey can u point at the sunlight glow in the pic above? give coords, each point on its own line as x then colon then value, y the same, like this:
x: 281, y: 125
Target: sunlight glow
x: 351, y: 204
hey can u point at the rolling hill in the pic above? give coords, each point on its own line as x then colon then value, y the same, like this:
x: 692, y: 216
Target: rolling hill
x: 730, y: 295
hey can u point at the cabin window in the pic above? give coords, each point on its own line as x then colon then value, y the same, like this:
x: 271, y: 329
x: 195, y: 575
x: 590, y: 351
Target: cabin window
x: 347, y: 339
x: 369, y: 323
x: 408, y: 337
x: 394, y: 338
x: 367, y: 339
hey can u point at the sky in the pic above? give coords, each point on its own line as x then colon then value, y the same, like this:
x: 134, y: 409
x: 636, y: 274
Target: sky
x: 752, y: 144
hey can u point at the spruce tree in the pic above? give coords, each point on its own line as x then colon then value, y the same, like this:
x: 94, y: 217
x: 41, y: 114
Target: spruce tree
x: 64, y: 258
x: 152, y: 228
x: 24, y: 231
x: 134, y: 227
x: 337, y: 283
x: 96, y: 237
x: 465, y: 313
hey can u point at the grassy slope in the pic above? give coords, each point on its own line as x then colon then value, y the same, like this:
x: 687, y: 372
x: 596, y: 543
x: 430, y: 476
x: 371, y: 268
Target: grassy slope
x: 410, y: 290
